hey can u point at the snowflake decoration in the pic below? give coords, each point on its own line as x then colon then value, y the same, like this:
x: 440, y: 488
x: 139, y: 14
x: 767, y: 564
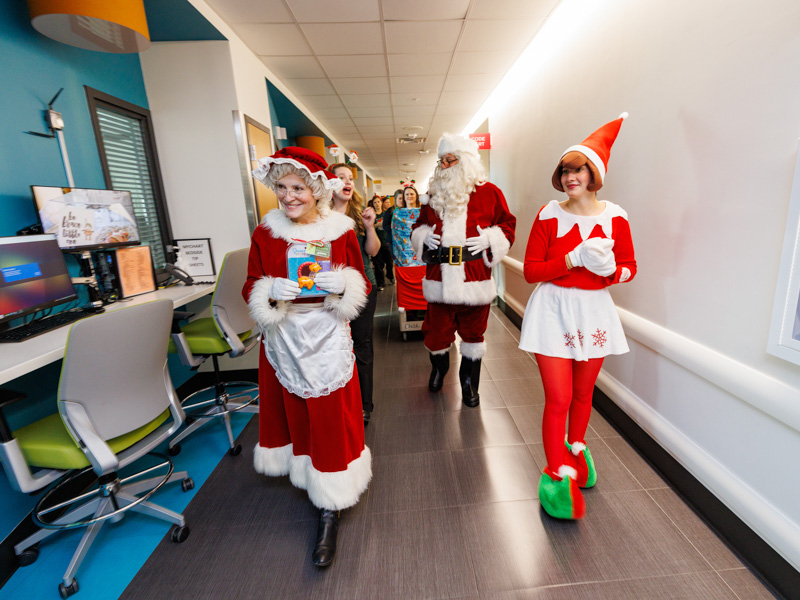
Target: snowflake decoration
x: 599, y: 338
x: 580, y: 338
x: 570, y: 340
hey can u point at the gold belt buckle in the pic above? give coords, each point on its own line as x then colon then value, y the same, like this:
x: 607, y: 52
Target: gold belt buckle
x: 453, y: 261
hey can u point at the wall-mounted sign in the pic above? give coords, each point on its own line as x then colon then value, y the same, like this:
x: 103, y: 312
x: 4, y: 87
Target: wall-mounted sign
x: 484, y: 140
x: 194, y: 257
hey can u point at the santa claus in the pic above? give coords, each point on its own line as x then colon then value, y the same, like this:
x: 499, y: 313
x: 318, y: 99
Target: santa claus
x: 464, y: 229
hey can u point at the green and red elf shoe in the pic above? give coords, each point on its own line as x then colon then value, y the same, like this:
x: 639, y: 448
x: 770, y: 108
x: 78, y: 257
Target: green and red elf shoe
x: 587, y: 474
x: 560, y: 495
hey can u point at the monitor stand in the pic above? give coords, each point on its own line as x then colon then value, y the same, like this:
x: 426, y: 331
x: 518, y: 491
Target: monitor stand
x: 95, y: 295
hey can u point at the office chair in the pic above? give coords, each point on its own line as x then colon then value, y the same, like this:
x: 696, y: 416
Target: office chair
x: 116, y: 403
x: 227, y: 332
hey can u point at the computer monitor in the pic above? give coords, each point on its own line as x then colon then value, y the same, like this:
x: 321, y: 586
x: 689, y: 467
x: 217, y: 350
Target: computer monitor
x: 85, y: 219
x: 33, y: 276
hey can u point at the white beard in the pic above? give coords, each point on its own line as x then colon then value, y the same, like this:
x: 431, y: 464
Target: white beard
x: 450, y: 188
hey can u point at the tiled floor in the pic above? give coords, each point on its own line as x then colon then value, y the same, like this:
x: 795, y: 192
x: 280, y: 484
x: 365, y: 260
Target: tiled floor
x: 452, y: 511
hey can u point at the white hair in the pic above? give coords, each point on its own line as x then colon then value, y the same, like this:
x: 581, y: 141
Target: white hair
x: 323, y: 195
x: 450, y: 188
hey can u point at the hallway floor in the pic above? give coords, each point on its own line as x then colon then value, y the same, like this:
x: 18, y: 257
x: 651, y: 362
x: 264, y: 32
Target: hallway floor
x: 452, y: 510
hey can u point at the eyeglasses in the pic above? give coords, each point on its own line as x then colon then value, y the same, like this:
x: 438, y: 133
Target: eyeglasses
x: 446, y: 162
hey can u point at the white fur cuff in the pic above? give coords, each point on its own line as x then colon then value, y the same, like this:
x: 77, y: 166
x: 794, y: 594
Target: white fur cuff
x: 348, y: 305
x: 498, y: 244
x: 418, y: 239
x: 436, y: 352
x: 340, y: 489
x: 272, y: 461
x: 473, y: 351
x: 262, y: 310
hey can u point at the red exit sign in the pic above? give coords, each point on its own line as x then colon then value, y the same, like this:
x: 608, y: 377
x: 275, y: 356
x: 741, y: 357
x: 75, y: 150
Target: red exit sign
x: 484, y: 140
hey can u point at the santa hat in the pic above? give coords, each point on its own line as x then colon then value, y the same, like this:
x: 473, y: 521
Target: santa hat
x: 303, y: 159
x: 594, y: 151
x: 458, y: 145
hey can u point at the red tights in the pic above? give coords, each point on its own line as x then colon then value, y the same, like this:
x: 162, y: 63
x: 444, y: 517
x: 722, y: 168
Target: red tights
x: 568, y: 386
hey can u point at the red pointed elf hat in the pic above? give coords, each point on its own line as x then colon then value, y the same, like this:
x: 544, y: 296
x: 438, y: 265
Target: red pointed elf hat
x: 300, y: 158
x: 596, y: 149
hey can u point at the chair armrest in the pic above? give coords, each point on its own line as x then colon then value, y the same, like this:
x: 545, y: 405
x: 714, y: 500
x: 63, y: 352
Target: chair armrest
x: 177, y: 317
x: 7, y: 397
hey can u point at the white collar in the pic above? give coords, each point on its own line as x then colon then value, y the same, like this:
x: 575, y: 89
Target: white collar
x: 326, y: 229
x: 566, y: 221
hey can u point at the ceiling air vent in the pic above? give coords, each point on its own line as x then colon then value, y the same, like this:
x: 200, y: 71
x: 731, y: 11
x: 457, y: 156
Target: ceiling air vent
x: 411, y: 138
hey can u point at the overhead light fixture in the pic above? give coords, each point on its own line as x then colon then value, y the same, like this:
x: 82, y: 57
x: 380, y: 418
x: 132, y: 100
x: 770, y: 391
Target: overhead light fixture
x: 424, y: 151
x: 412, y: 127
x: 118, y: 26
x: 411, y: 139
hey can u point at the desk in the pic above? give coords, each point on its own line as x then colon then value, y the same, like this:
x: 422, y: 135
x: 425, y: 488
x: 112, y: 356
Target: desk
x: 17, y: 359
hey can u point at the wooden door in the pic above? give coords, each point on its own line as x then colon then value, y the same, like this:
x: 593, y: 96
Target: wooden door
x: 259, y: 145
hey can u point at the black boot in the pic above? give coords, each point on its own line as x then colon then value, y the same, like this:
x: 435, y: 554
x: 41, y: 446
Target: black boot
x: 441, y: 363
x: 470, y: 376
x: 325, y: 548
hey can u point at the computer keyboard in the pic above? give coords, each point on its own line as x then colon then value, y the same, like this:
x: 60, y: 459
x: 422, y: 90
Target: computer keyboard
x: 29, y: 330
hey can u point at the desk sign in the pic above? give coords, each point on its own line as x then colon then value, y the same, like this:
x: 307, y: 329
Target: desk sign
x: 194, y: 257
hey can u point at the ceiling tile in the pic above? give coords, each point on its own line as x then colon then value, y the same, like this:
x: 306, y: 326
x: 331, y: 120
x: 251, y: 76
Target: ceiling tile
x: 336, y: 122
x: 361, y: 85
x: 483, y: 62
x: 415, y: 99
x: 347, y: 130
x: 293, y: 67
x: 353, y: 100
x: 485, y: 36
x: 376, y: 129
x: 331, y: 113
x: 277, y: 40
x: 414, y: 111
x: 370, y: 111
x: 424, y: 10
x: 422, y: 37
x: 419, y: 64
x: 406, y: 121
x: 344, y: 38
x: 247, y: 11
x: 464, y: 100
x: 352, y: 11
x: 309, y: 87
x: 367, y: 121
x: 502, y: 9
x: 470, y: 83
x: 422, y: 83
x: 331, y: 101
x: 354, y: 65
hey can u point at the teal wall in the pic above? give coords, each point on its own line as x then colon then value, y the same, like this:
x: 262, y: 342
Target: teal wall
x: 32, y: 70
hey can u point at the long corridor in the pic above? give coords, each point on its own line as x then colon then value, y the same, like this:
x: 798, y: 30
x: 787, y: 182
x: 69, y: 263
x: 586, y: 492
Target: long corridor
x: 452, y: 510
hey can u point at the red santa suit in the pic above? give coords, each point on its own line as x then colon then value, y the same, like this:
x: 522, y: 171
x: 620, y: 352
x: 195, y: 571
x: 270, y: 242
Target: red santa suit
x: 459, y: 295
x: 311, y: 424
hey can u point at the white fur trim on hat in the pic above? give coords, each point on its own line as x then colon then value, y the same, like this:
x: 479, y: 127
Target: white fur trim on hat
x: 591, y: 155
x: 328, y: 228
x: 264, y: 164
x: 348, y: 305
x: 272, y: 461
x: 266, y: 312
x: 340, y: 489
x: 498, y: 244
x: 457, y: 144
x: 473, y: 350
x: 418, y: 239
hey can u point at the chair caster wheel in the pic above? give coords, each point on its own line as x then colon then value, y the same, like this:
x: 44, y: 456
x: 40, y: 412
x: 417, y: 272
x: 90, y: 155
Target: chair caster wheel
x: 28, y: 557
x: 187, y: 484
x: 236, y: 450
x: 180, y: 533
x: 65, y: 591
x: 174, y: 450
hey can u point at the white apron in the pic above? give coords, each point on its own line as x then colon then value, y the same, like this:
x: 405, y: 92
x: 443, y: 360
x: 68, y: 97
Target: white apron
x: 311, y: 351
x: 568, y: 322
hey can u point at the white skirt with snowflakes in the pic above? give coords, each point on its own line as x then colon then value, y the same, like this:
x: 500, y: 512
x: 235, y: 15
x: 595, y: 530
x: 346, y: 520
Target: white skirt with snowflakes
x: 572, y: 323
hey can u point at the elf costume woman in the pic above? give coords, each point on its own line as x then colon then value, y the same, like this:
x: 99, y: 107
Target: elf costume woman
x: 577, y: 248
x: 310, y: 421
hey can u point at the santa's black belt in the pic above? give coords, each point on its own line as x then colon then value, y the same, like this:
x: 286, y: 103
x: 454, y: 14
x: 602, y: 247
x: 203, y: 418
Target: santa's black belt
x: 450, y: 255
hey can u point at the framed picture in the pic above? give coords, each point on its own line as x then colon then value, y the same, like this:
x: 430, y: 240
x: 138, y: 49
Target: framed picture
x: 784, y: 335
x: 194, y: 257
x: 134, y: 266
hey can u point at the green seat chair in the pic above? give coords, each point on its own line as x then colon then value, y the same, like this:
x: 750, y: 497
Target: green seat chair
x: 230, y: 331
x: 116, y: 404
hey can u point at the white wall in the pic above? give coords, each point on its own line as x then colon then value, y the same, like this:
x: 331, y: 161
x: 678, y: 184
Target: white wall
x: 704, y: 167
x: 192, y: 96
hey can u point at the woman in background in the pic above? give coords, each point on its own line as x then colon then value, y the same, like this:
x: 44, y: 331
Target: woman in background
x: 349, y: 202
x: 382, y: 261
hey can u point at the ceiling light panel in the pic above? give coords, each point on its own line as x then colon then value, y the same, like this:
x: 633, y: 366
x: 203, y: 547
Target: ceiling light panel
x: 416, y: 37
x: 344, y: 38
x: 273, y: 40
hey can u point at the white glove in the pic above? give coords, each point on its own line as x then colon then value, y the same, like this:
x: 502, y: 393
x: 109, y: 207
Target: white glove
x: 433, y: 240
x: 479, y: 243
x: 330, y: 281
x: 284, y: 289
x: 595, y: 254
